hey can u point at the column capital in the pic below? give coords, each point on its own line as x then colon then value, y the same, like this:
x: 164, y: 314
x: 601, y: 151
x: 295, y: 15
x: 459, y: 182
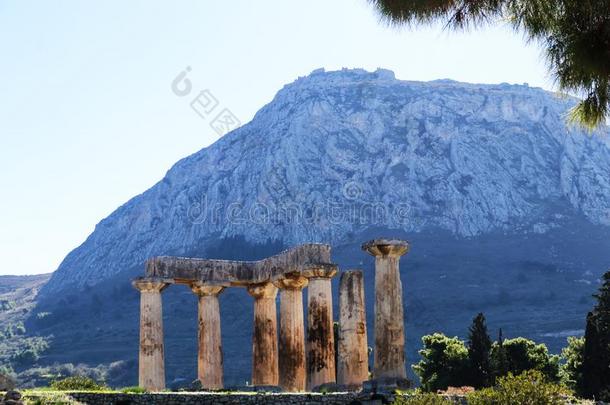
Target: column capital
x: 322, y: 270
x: 386, y: 247
x: 202, y: 289
x: 262, y: 290
x: 148, y: 284
x: 294, y: 281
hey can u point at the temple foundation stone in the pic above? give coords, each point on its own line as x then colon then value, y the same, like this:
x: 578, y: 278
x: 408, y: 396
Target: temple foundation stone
x: 151, y: 359
x: 389, y: 354
x: 264, y: 335
x: 292, y: 334
x: 209, y: 360
x: 352, y: 359
x: 320, y: 333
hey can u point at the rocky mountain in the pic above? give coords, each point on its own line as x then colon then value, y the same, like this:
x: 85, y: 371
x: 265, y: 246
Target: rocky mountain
x: 507, y: 207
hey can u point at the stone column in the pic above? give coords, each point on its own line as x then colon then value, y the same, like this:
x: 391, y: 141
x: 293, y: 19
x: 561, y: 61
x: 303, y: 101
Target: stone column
x: 320, y: 333
x: 389, y: 319
x: 264, y: 336
x: 151, y: 360
x: 353, y: 358
x: 292, y: 334
x: 209, y: 360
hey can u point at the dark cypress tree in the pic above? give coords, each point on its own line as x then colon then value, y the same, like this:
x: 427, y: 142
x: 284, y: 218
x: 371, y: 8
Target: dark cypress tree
x: 500, y: 365
x: 596, y: 358
x: 479, y: 348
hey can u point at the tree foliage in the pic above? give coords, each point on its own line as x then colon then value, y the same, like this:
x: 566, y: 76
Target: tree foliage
x: 523, y: 355
x: 444, y: 362
x: 571, y: 369
x: 574, y: 33
x: 479, y: 348
x: 596, y: 351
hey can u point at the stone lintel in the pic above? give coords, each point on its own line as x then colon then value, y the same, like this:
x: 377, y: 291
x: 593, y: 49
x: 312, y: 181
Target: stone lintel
x: 151, y: 283
x: 320, y: 270
x: 238, y: 273
x: 386, y: 247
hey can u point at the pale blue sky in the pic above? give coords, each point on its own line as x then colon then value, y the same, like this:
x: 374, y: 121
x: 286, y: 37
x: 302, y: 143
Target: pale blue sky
x: 88, y: 118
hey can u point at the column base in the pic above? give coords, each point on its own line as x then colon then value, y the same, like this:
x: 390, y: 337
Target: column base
x: 386, y: 384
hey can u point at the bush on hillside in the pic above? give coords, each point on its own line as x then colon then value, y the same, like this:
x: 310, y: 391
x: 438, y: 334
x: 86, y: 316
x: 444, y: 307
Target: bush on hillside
x: 424, y: 398
x: 77, y: 383
x: 133, y: 390
x: 528, y: 388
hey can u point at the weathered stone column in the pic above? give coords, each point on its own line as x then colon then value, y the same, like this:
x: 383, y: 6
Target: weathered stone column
x: 389, y: 319
x: 292, y: 334
x: 352, y: 359
x: 264, y: 336
x: 320, y: 333
x: 151, y: 360
x: 209, y: 360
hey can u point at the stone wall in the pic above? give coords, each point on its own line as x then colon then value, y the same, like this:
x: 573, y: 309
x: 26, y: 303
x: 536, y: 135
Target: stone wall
x: 221, y: 398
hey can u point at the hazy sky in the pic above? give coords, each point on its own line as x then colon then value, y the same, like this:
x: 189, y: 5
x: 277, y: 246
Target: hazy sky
x: 88, y: 118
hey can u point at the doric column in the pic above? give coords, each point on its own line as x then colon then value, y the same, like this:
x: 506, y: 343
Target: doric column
x: 389, y: 319
x: 292, y: 334
x: 264, y: 336
x: 320, y: 333
x: 209, y: 360
x: 151, y: 360
x: 352, y: 359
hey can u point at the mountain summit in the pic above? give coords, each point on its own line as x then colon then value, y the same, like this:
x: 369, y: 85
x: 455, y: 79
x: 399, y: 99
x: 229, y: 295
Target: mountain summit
x: 507, y: 209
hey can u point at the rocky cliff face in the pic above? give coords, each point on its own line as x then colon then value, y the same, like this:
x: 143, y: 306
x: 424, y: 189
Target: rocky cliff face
x: 336, y: 153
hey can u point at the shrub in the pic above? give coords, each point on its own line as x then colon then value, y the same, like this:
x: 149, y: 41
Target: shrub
x: 422, y: 398
x: 133, y: 390
x: 6, y: 305
x: 40, y: 397
x: 528, y: 388
x: 77, y: 383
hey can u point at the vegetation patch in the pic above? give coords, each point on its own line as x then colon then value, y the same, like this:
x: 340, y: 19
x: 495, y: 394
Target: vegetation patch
x: 78, y: 383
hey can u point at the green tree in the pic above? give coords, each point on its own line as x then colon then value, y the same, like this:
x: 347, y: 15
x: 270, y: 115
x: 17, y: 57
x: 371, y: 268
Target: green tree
x: 596, y: 353
x: 574, y: 33
x: 571, y: 369
x: 479, y: 348
x: 444, y: 362
x: 498, y: 358
x: 524, y: 354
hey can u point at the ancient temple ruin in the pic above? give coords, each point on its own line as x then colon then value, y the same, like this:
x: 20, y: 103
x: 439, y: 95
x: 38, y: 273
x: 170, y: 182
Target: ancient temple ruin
x: 283, y: 359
